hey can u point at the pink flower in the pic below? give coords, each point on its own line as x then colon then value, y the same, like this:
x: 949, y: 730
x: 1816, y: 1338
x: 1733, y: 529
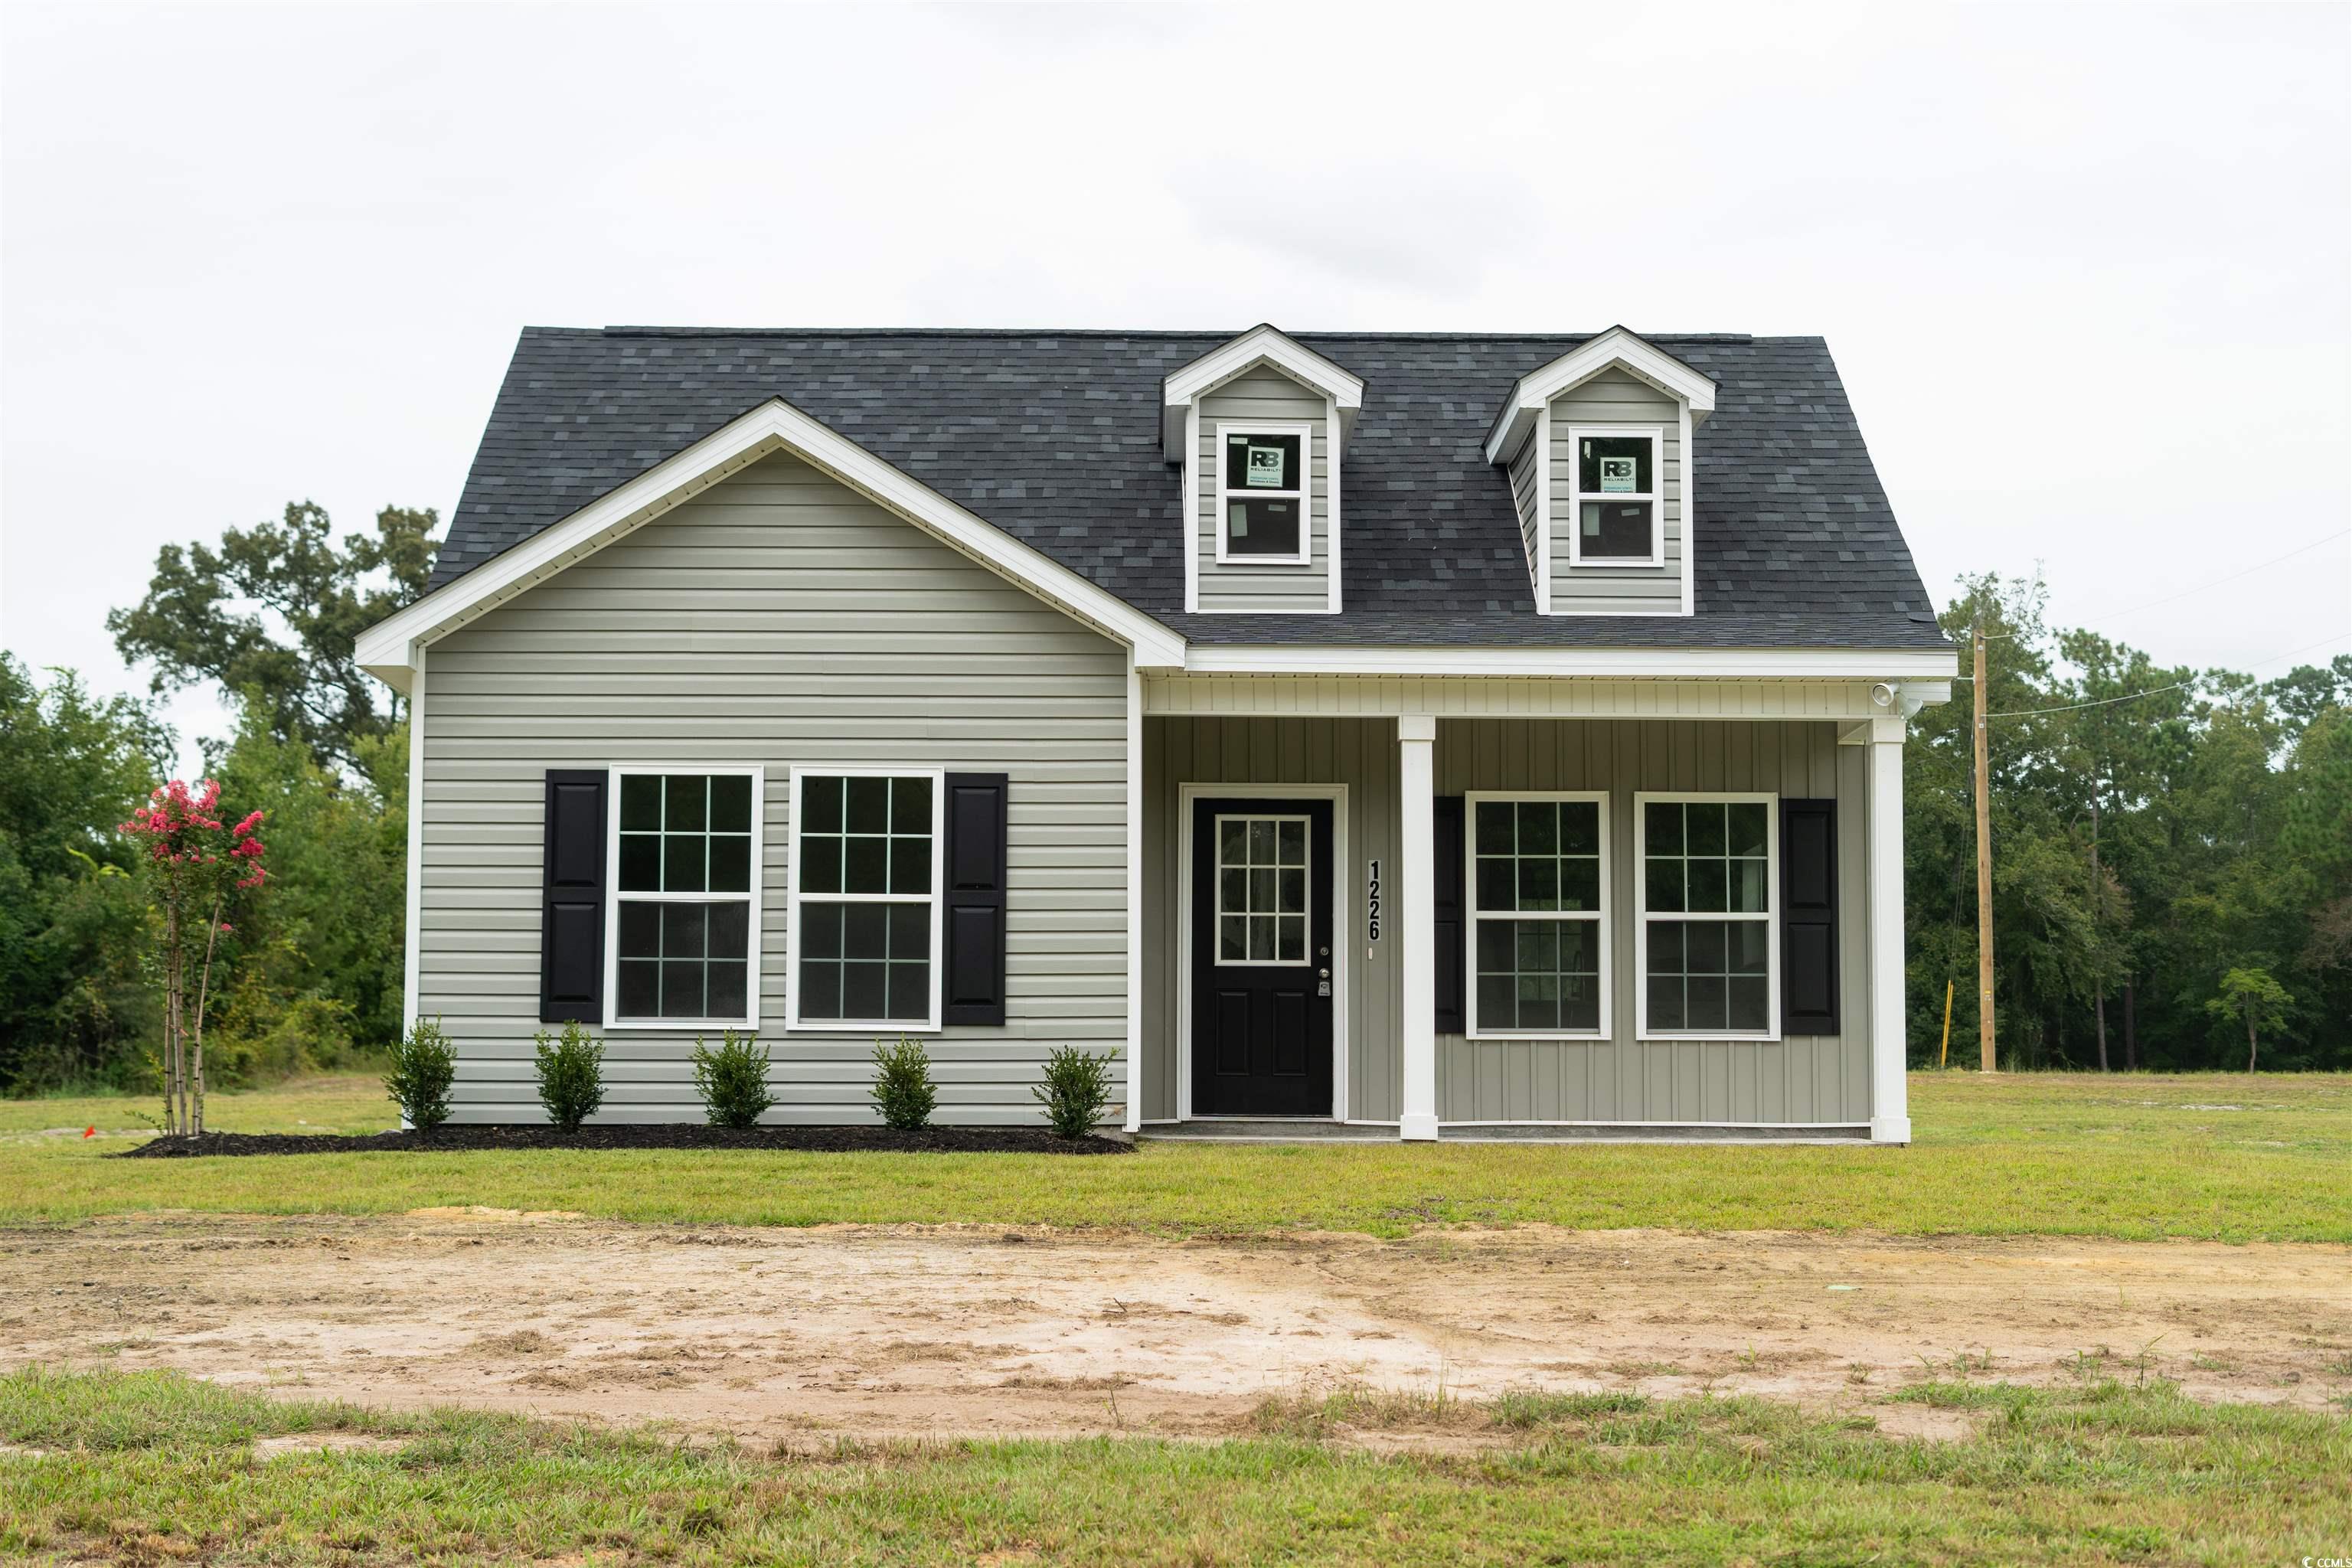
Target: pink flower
x: 248, y: 824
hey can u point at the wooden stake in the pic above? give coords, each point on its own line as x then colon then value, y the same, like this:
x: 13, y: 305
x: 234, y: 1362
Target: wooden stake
x: 1943, y: 1055
x: 1984, y: 871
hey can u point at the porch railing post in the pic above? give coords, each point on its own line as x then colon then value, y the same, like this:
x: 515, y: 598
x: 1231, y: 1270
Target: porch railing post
x: 1416, y: 743
x: 1890, y: 1105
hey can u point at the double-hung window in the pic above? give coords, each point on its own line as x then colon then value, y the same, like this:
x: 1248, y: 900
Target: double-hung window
x: 1615, y: 480
x: 863, y: 917
x: 1708, y: 928
x: 1538, y: 887
x: 686, y: 898
x: 1262, y: 493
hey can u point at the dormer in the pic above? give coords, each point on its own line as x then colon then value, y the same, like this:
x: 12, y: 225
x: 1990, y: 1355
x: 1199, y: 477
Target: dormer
x: 1599, y: 447
x: 1259, y: 425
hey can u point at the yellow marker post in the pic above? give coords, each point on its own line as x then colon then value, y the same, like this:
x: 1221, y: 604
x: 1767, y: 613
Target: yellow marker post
x: 1944, y: 1056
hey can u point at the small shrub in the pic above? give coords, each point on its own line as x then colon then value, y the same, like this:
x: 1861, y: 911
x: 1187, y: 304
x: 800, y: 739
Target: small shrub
x: 732, y: 1080
x: 571, y: 1077
x: 903, y: 1092
x: 1076, y: 1087
x: 424, y: 1066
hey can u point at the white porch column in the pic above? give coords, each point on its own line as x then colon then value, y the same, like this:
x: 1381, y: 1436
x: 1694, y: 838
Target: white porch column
x: 1890, y: 1105
x: 1417, y: 795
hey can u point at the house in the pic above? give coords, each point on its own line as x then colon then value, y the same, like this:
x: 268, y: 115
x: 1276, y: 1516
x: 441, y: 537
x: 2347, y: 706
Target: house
x: 1434, y: 736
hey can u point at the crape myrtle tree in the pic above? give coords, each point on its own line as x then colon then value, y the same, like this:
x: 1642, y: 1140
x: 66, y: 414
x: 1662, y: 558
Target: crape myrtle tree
x: 195, y: 864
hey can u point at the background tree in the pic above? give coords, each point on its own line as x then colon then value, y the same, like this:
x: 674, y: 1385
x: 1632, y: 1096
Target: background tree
x: 276, y: 611
x: 2153, y: 828
x: 2250, y: 996
x: 73, y: 921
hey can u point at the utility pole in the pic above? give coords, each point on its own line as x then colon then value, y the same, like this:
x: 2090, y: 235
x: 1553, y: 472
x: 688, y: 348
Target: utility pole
x: 1984, y: 868
x: 2098, y: 903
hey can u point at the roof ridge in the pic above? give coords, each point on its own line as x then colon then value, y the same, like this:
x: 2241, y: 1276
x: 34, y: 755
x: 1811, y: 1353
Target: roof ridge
x: 1215, y: 334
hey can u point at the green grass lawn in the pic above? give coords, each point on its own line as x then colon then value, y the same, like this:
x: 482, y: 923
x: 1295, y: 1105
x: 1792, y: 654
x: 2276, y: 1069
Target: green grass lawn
x: 2225, y: 1157
x: 148, y: 1467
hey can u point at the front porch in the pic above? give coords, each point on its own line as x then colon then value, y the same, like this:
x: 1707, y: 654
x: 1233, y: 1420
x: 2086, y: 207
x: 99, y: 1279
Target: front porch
x: 1543, y: 1001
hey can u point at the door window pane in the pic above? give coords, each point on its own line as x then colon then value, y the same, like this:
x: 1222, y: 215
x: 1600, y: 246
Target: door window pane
x: 1262, y: 890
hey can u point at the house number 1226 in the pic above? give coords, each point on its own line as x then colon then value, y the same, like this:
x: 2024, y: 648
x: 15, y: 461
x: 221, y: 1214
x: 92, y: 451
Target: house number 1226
x: 1372, y: 903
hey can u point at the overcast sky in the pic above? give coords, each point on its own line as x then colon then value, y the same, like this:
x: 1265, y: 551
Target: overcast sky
x: 2088, y: 272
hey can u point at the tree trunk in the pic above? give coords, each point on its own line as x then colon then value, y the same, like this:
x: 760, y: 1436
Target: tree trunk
x: 2250, y: 1040
x: 2100, y: 1003
x: 172, y: 1106
x: 203, y: 993
x: 2131, y: 1029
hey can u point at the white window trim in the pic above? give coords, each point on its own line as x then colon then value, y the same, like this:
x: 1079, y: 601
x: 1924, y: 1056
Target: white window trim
x: 1642, y: 916
x: 1217, y: 866
x: 1598, y: 918
x: 793, y: 1024
x: 1655, y: 495
x: 615, y: 897
x: 1304, y: 495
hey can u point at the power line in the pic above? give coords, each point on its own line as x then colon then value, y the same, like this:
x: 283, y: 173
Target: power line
x: 2202, y: 587
x: 2192, y: 593
x: 2160, y: 691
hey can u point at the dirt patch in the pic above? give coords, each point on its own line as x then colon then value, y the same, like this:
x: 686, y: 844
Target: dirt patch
x: 943, y: 1332
x: 683, y: 1135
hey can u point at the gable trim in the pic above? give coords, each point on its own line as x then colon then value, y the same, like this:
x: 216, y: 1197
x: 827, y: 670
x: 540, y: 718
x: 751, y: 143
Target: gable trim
x: 391, y: 648
x: 1261, y: 345
x: 1534, y: 391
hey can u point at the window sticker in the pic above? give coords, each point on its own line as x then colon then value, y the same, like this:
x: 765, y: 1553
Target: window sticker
x: 1237, y: 522
x: 1264, y: 471
x: 1617, y: 476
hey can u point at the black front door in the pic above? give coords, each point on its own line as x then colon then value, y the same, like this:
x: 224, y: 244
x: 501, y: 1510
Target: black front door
x: 1261, y: 970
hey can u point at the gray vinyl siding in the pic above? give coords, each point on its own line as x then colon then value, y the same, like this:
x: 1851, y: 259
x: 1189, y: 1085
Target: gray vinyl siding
x: 1615, y: 397
x: 1268, y: 394
x: 1798, y: 1080
x: 1359, y: 752
x: 1527, y: 473
x: 777, y: 619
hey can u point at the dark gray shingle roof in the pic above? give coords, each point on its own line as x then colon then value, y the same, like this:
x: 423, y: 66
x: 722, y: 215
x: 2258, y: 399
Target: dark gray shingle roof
x: 1054, y: 437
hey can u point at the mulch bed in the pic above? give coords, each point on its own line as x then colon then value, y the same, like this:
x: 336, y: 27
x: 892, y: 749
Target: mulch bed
x: 450, y: 1140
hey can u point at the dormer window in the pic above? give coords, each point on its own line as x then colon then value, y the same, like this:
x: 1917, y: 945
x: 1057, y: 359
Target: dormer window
x: 1615, y: 499
x: 1262, y: 493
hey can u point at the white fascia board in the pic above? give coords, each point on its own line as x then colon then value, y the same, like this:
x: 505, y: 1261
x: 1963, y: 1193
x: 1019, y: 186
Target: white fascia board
x: 1260, y: 344
x: 1614, y: 347
x: 387, y: 649
x: 1686, y: 664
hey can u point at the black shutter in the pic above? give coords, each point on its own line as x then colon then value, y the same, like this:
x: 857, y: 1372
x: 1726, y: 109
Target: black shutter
x: 1808, y: 938
x: 571, y: 915
x: 1450, y: 919
x: 973, y: 922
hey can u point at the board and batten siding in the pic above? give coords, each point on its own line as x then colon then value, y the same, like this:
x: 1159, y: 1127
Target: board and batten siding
x: 779, y: 619
x: 1241, y: 752
x: 1615, y: 397
x: 1265, y: 393
x: 1797, y: 1080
